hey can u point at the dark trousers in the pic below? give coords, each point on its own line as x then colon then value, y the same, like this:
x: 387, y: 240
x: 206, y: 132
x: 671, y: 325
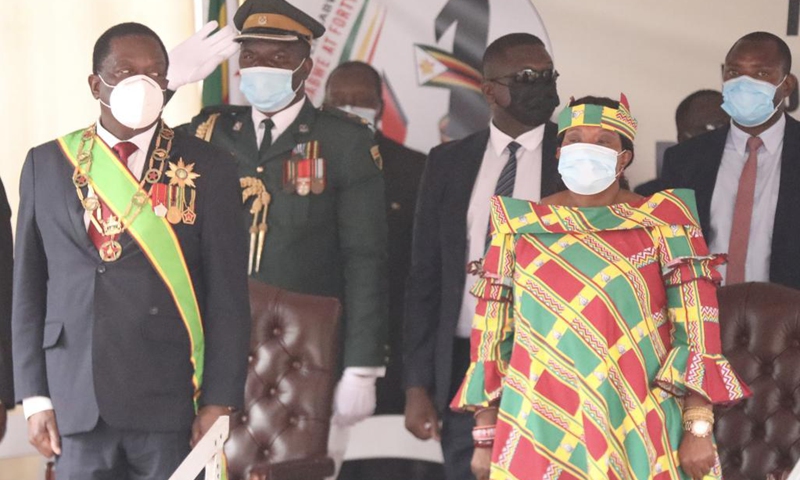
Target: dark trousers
x: 457, y: 445
x: 108, y: 453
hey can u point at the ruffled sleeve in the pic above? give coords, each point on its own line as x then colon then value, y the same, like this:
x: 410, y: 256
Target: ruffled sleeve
x: 695, y: 361
x: 492, y: 327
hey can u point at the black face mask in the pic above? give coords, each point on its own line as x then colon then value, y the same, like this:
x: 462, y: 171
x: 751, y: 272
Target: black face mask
x: 532, y: 104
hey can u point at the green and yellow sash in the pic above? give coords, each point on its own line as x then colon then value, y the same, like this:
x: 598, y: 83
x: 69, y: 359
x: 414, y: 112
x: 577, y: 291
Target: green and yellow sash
x: 115, y: 185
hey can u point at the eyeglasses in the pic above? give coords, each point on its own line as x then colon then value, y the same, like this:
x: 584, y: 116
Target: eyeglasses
x: 529, y: 75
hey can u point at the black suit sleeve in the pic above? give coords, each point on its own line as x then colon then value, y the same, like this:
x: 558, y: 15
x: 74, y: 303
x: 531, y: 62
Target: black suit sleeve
x: 423, y: 290
x: 30, y: 294
x: 227, y: 309
x: 671, y: 172
x: 6, y: 277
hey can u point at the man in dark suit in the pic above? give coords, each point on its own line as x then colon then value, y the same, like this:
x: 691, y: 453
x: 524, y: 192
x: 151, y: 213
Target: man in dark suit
x: 130, y: 316
x: 357, y: 88
x: 515, y: 156
x: 6, y: 274
x: 746, y: 175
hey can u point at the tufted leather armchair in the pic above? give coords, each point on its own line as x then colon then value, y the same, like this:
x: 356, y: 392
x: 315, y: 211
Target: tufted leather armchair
x: 760, y: 328
x: 282, y: 433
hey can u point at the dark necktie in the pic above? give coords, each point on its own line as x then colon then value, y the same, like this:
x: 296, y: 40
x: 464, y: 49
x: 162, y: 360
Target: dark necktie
x: 743, y: 215
x: 505, y: 184
x: 266, y: 141
x: 123, y: 150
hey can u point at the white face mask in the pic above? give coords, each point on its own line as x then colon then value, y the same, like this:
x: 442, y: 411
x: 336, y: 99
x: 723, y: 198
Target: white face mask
x: 368, y: 114
x: 586, y: 168
x: 135, y: 102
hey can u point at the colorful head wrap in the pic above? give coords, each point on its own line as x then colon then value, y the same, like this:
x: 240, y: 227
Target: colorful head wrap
x: 615, y: 119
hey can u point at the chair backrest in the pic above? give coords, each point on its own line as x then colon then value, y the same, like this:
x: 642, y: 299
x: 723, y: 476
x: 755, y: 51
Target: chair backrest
x: 760, y: 329
x: 289, y: 390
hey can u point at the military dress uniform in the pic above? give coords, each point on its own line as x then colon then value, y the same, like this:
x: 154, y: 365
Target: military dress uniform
x: 326, y: 236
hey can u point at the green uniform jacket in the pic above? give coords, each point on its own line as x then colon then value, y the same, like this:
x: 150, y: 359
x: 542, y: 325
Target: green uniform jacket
x: 331, y: 244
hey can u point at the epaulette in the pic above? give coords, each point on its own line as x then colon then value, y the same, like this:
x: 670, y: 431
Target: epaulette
x: 351, y: 117
x: 225, y: 109
x: 213, y: 112
x: 206, y: 129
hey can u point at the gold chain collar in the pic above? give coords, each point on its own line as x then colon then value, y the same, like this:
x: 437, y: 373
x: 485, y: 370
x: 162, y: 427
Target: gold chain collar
x: 115, y: 226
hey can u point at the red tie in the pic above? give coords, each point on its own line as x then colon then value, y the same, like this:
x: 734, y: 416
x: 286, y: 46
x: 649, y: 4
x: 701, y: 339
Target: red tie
x: 123, y: 150
x: 742, y: 215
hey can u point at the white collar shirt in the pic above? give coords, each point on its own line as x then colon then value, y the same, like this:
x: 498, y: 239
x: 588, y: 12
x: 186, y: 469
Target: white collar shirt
x: 527, y: 186
x: 282, y: 120
x: 765, y: 202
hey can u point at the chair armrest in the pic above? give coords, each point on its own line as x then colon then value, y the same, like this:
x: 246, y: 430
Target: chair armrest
x: 305, y: 469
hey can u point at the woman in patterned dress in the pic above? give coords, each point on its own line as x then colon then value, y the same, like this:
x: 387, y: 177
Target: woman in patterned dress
x: 595, y: 345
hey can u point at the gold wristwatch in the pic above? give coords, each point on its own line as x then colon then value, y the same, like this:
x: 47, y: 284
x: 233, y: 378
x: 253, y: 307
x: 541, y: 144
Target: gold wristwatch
x: 698, y: 428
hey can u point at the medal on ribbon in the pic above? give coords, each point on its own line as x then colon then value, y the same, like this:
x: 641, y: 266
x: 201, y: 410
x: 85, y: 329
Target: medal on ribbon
x: 181, y: 193
x: 305, y: 172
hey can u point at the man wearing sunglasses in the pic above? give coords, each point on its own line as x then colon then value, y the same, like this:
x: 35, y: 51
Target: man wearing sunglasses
x: 514, y: 156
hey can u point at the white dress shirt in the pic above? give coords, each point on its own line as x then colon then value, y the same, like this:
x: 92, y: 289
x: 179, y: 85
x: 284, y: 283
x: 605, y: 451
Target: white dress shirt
x: 527, y: 186
x: 765, y: 202
x: 136, y: 161
x: 282, y: 120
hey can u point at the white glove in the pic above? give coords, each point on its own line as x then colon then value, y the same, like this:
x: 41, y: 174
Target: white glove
x: 197, y: 56
x: 354, y: 399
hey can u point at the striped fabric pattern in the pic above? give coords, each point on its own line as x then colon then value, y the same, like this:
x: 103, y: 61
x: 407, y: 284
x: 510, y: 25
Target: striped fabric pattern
x: 590, y: 324
x: 617, y: 120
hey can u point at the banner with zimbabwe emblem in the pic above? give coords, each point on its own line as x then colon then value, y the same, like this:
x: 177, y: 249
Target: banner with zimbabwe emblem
x: 428, y: 53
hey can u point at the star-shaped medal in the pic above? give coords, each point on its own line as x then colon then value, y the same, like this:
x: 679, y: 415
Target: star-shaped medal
x: 181, y: 174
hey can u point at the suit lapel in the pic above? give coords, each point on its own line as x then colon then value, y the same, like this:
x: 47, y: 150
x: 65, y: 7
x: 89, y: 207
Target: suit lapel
x: 550, y: 177
x: 708, y: 161
x: 243, y: 139
x: 76, y: 215
x: 462, y: 185
x: 784, y: 259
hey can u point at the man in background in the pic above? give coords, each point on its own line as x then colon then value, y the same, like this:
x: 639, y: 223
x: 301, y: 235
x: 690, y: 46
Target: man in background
x: 514, y: 156
x: 746, y: 175
x: 699, y: 113
x: 357, y: 88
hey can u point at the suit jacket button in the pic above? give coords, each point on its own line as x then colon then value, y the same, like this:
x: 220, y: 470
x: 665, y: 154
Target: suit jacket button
x: 260, y: 169
x: 395, y: 206
x: 153, y: 310
x: 101, y: 269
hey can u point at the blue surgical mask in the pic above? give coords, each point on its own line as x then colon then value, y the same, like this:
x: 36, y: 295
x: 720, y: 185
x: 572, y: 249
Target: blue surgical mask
x: 586, y: 168
x: 748, y: 101
x: 268, y: 89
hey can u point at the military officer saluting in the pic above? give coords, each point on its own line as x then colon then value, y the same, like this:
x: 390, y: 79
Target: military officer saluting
x: 312, y: 184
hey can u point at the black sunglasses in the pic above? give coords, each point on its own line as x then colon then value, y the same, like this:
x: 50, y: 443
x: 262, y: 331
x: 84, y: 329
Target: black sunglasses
x: 529, y: 75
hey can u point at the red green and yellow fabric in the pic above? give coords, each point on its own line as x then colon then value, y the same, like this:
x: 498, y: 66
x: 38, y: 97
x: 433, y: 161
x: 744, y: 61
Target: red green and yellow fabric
x: 591, y: 324
x: 617, y: 120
